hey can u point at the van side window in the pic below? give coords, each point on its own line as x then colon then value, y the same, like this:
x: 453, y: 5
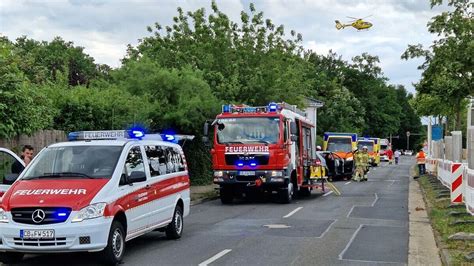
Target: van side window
x: 133, y: 163
x: 285, y: 131
x: 156, y: 160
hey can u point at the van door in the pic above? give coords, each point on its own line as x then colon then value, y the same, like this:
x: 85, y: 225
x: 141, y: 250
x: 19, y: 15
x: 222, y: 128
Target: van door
x: 165, y: 164
x: 137, y: 193
x: 10, y: 169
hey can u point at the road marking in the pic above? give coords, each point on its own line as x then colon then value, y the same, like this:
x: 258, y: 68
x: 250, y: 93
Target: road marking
x: 350, y: 242
x: 376, y: 198
x: 292, y: 212
x: 327, y: 229
x: 328, y: 193
x: 347, y: 183
x: 277, y: 226
x: 215, y: 257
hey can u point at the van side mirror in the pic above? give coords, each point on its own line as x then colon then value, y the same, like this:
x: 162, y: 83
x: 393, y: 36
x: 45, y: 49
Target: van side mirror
x: 136, y: 176
x: 293, y: 128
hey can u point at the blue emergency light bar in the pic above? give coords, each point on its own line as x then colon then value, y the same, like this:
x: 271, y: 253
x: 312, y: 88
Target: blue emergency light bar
x: 125, y: 134
x: 271, y: 107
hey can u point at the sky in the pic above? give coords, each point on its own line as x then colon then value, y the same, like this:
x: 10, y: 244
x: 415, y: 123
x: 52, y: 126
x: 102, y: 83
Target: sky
x: 105, y: 27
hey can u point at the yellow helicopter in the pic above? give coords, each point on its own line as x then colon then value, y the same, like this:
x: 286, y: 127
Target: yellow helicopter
x: 358, y: 24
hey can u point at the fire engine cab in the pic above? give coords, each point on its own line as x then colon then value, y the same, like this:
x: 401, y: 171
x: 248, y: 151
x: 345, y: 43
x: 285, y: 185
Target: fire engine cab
x: 264, y: 148
x: 95, y: 193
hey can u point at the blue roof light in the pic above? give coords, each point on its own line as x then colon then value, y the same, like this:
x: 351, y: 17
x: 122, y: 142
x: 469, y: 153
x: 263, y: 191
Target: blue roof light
x: 272, y: 107
x: 226, y: 108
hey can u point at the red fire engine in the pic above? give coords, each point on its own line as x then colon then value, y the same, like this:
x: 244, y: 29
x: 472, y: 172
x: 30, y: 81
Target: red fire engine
x: 266, y: 148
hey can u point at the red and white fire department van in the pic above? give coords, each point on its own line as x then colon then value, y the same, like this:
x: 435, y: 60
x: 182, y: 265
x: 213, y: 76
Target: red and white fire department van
x: 94, y: 194
x: 265, y: 148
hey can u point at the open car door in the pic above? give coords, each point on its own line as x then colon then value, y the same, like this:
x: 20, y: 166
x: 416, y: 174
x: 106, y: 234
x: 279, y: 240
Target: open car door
x: 7, y: 176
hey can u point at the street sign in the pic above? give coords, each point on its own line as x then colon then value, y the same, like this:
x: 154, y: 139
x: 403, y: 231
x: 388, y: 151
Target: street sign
x: 408, y: 133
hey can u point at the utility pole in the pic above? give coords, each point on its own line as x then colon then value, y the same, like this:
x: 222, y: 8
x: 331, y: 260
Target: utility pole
x: 408, y: 140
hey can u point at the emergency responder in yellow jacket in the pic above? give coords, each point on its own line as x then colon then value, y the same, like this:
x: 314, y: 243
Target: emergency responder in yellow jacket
x: 361, y: 161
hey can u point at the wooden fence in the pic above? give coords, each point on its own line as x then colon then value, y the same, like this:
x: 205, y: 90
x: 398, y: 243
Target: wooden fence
x: 39, y: 140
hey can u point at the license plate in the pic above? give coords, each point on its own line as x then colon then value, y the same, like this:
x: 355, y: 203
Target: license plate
x: 246, y: 173
x: 36, y: 234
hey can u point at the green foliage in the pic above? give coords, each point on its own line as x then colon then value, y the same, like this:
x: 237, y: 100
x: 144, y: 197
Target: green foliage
x: 447, y: 70
x: 178, y: 77
x: 24, y: 109
x: 250, y: 61
x: 84, y: 108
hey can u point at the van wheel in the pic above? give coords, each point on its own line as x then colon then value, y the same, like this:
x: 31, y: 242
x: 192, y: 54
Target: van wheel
x: 175, y: 228
x: 11, y: 257
x: 286, y: 194
x: 113, y: 253
x: 226, y: 195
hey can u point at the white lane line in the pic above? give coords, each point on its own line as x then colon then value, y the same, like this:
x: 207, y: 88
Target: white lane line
x: 292, y: 212
x: 350, y: 242
x: 328, y: 193
x: 376, y: 198
x: 215, y: 257
x: 347, y: 183
x: 327, y: 229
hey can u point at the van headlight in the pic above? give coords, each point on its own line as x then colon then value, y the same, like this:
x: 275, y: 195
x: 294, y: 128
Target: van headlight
x: 3, y: 216
x: 90, y: 212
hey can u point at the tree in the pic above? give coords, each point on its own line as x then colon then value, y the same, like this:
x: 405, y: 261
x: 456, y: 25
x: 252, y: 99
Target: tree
x: 447, y: 70
x: 23, y: 107
x: 249, y: 62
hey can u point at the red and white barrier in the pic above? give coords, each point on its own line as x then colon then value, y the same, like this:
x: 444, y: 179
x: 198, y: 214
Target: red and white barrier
x: 469, y: 190
x: 450, y: 174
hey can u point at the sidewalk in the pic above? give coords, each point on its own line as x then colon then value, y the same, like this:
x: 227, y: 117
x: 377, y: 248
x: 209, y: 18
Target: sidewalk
x: 203, y: 193
x: 422, y: 249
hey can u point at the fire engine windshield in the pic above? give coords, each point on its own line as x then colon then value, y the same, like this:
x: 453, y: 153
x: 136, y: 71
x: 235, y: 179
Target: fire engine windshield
x: 248, y: 130
x: 339, y: 144
x: 71, y: 162
x: 369, y: 144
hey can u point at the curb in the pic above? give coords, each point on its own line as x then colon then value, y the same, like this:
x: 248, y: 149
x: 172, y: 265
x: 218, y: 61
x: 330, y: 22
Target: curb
x: 443, y: 253
x: 422, y: 245
x: 202, y: 200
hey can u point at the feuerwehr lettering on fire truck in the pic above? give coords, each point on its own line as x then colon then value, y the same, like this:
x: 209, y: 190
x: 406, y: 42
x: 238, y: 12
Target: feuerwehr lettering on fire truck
x: 61, y: 191
x: 245, y: 149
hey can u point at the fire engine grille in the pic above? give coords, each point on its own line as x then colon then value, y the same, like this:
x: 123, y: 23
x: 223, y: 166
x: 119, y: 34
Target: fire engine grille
x: 260, y: 159
x: 59, y: 241
x: 38, y: 215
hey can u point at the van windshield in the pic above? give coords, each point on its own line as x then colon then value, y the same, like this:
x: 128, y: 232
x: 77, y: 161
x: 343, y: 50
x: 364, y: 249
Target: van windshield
x: 248, y: 130
x: 338, y: 144
x: 369, y: 144
x: 72, y: 162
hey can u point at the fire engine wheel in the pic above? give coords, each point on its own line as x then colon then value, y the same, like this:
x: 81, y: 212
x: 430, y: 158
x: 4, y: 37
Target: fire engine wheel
x: 175, y: 228
x: 286, y: 194
x: 226, y: 195
x: 11, y: 257
x: 113, y: 253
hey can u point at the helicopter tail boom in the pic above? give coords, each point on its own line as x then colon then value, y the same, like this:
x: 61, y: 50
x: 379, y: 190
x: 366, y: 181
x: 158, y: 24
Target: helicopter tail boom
x: 339, y: 25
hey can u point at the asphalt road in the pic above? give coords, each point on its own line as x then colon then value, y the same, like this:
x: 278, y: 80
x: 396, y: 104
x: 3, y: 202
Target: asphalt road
x: 366, y: 225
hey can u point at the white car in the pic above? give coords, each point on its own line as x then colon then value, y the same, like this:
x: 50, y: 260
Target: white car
x: 408, y: 153
x: 94, y: 195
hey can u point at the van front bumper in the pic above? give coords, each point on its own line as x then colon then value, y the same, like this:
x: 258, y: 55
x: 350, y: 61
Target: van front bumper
x: 89, y: 235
